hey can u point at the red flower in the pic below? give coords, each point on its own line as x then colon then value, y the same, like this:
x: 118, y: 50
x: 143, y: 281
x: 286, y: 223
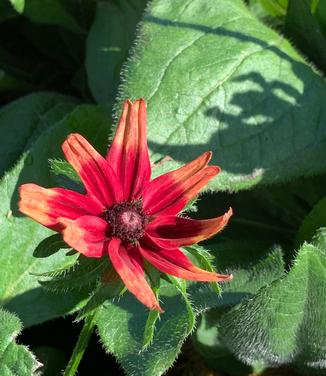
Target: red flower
x: 124, y: 214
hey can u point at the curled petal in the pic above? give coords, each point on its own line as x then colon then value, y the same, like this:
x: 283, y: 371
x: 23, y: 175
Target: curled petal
x: 174, y: 262
x: 97, y: 176
x: 129, y: 266
x: 169, y: 193
x: 86, y: 235
x: 174, y: 232
x: 47, y: 205
x: 128, y: 154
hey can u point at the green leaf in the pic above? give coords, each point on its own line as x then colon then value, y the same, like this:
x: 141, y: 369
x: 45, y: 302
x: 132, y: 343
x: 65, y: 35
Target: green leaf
x: 149, y: 330
x: 204, y: 260
x: 52, y: 12
x: 19, y: 236
x: 276, y: 8
x: 66, y: 176
x: 63, y: 168
x: 85, y: 272
x: 303, y: 28
x: 181, y: 286
x: 227, y: 83
x: 108, y: 43
x: 14, y: 359
x: 209, y: 344
x: 18, y: 5
x: 28, y: 117
x: 121, y: 324
x: 252, y: 267
x: 321, y: 15
x: 314, y: 220
x: 49, y: 246
x: 284, y: 322
x: 104, y: 291
x: 121, y: 327
x: 319, y: 239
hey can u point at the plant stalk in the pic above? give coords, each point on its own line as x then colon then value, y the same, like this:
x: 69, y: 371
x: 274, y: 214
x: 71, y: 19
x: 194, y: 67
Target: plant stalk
x: 81, y: 345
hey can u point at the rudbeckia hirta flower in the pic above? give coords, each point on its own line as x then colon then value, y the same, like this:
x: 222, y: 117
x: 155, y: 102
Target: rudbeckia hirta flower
x: 124, y: 214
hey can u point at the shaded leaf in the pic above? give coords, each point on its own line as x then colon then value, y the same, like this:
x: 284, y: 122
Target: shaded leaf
x: 49, y: 246
x: 321, y: 15
x: 303, y: 28
x: 252, y: 267
x: 121, y: 323
x: 85, y: 272
x: 52, y: 358
x: 227, y: 83
x: 108, y: 43
x: 52, y: 12
x: 20, y: 290
x: 209, y: 344
x: 314, y: 220
x: 284, y: 322
x: 6, y: 11
x: 121, y: 327
x: 28, y: 117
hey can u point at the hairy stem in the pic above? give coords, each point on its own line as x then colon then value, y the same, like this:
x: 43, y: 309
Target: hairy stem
x: 81, y: 345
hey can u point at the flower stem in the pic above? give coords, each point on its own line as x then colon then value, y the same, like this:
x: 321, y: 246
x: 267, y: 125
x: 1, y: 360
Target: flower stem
x: 81, y: 345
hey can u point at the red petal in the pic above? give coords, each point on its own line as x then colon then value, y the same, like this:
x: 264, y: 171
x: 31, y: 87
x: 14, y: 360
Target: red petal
x: 47, y: 205
x: 176, y: 232
x: 97, y: 176
x: 128, y: 265
x: 169, y: 193
x: 128, y: 154
x: 174, y: 262
x: 86, y: 235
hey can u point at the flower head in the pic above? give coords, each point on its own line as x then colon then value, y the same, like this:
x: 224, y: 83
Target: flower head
x: 123, y: 213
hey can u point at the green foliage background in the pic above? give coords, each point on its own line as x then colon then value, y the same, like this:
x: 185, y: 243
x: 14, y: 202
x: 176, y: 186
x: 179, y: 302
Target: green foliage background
x: 244, y: 79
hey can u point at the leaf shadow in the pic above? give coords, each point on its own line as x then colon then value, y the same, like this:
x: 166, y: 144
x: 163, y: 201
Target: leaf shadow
x: 258, y: 116
x: 38, y: 305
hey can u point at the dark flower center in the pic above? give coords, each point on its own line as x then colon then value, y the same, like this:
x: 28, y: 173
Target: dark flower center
x: 127, y: 221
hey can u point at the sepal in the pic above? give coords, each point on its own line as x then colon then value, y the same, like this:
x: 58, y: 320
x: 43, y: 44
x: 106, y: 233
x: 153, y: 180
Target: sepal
x: 201, y: 257
x: 83, y: 274
x: 49, y: 246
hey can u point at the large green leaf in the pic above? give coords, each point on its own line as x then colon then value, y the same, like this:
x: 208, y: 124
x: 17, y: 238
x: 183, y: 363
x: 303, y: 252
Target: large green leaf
x: 121, y: 323
x: 121, y: 327
x: 209, y: 344
x: 251, y: 265
x: 19, y: 290
x: 108, y: 43
x: 303, y: 28
x: 284, y: 322
x: 14, y: 359
x: 216, y: 79
x: 255, y: 269
x: 28, y: 117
